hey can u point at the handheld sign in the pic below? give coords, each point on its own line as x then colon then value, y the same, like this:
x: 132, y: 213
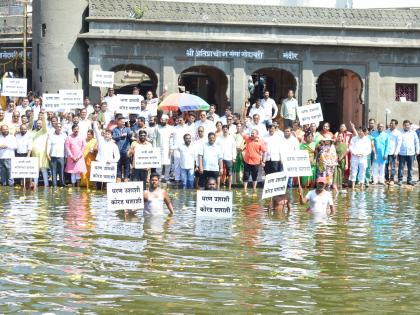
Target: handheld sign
x: 125, y: 196
x: 129, y: 104
x: 297, y: 163
x: 51, y: 103
x: 309, y: 114
x: 103, y: 172
x: 147, y: 158
x: 275, y: 184
x: 14, y: 87
x: 214, y: 204
x: 103, y: 78
x: 24, y: 167
x: 71, y: 99
x: 152, y: 106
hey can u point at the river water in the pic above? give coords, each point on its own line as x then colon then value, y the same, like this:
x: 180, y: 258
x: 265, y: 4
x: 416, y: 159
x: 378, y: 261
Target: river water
x: 63, y: 252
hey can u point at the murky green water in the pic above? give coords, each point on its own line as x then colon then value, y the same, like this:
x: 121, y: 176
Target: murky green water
x: 64, y: 252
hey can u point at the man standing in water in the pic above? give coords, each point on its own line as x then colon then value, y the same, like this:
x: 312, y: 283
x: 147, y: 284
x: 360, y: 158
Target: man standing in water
x: 320, y: 200
x: 155, y: 196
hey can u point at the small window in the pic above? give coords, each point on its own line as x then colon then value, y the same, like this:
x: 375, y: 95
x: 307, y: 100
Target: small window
x: 43, y: 29
x: 405, y: 92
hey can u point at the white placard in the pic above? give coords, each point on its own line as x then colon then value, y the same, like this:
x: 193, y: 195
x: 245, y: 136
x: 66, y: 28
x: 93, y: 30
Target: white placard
x: 103, y: 78
x: 214, y: 204
x: 51, y: 103
x: 297, y: 163
x: 103, y: 172
x: 71, y: 99
x: 275, y: 184
x: 24, y: 167
x: 129, y: 104
x: 14, y: 87
x: 147, y: 158
x: 309, y: 114
x: 125, y: 196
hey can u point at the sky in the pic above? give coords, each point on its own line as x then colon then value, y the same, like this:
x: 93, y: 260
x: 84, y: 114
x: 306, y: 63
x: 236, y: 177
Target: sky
x: 323, y: 3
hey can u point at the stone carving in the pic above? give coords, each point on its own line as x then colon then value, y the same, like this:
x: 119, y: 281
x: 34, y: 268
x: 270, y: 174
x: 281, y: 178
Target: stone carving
x: 253, y: 14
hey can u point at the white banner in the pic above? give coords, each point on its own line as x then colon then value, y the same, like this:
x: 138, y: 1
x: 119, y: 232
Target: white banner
x: 24, y: 167
x: 297, y: 163
x: 309, y: 114
x: 125, y: 196
x: 147, y: 158
x: 103, y: 172
x: 275, y: 184
x: 129, y: 104
x: 214, y: 204
x: 103, y: 78
x: 71, y: 99
x: 51, y: 103
x: 14, y: 87
x: 152, y: 106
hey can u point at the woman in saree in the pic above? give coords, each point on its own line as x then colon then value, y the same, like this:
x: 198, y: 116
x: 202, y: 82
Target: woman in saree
x: 89, y: 154
x: 341, y: 148
x: 309, y: 145
x: 326, y: 160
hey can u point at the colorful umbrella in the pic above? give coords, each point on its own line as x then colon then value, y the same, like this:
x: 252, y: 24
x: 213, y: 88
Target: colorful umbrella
x: 184, y: 102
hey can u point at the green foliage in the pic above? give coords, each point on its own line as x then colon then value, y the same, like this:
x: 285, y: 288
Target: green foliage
x: 138, y: 12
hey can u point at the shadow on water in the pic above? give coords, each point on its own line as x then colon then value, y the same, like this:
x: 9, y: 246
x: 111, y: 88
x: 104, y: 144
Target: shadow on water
x: 64, y: 251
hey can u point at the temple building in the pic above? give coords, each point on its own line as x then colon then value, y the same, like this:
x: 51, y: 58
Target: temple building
x: 358, y: 63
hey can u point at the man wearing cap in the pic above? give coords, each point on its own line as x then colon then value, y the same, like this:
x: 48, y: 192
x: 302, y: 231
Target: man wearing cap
x: 320, y: 200
x: 163, y: 140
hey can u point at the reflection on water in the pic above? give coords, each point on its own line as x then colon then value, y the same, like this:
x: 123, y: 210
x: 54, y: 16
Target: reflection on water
x: 63, y: 251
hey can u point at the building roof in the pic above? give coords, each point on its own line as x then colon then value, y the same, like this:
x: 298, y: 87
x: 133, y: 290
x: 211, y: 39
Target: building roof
x: 218, y: 13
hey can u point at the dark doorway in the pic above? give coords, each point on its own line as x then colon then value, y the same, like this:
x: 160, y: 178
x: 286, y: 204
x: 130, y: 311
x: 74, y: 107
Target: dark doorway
x: 129, y: 76
x: 209, y: 83
x: 340, y: 93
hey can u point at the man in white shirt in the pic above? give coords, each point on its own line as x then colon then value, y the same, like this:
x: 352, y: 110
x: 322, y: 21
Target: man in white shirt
x: 408, y: 150
x: 227, y: 145
x: 163, y: 140
x: 36, y: 108
x: 212, y: 113
x: 205, y: 123
x: 289, y: 144
x: 223, y: 119
x: 198, y: 143
x: 152, y: 103
x: 113, y: 101
x: 55, y: 154
x: 360, y: 148
x: 7, y: 153
x: 24, y: 142
x: 270, y: 108
x: 179, y: 131
x: 24, y: 107
x: 256, y: 124
x: 289, y: 109
x: 144, y: 112
x: 272, y: 157
x: 210, y: 160
x: 107, y: 114
x: 394, y: 148
x: 255, y: 109
x: 187, y: 162
x: 320, y: 201
x: 84, y: 123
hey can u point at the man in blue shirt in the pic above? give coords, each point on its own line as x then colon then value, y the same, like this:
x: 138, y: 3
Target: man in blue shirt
x: 122, y: 136
x: 408, y: 150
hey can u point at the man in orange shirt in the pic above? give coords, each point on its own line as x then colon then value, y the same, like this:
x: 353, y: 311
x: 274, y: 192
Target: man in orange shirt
x: 253, y: 157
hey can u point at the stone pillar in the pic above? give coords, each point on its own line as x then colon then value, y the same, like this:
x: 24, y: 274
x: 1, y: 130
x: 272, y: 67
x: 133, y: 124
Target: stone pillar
x: 59, y: 58
x: 169, y: 76
x: 308, y: 84
x: 239, y: 83
x: 372, y: 89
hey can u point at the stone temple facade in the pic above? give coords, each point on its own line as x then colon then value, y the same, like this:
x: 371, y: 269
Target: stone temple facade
x: 359, y: 63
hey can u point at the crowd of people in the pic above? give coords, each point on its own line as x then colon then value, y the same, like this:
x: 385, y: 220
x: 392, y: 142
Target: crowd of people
x: 232, y: 149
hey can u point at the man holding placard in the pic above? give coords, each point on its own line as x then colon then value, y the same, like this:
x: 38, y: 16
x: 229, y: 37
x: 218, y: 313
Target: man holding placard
x: 139, y: 174
x: 7, y: 152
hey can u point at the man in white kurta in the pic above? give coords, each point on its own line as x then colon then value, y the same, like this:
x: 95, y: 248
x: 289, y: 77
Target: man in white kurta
x: 163, y: 140
x: 360, y: 148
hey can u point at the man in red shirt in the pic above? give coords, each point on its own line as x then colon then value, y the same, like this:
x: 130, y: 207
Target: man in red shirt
x: 253, y: 157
